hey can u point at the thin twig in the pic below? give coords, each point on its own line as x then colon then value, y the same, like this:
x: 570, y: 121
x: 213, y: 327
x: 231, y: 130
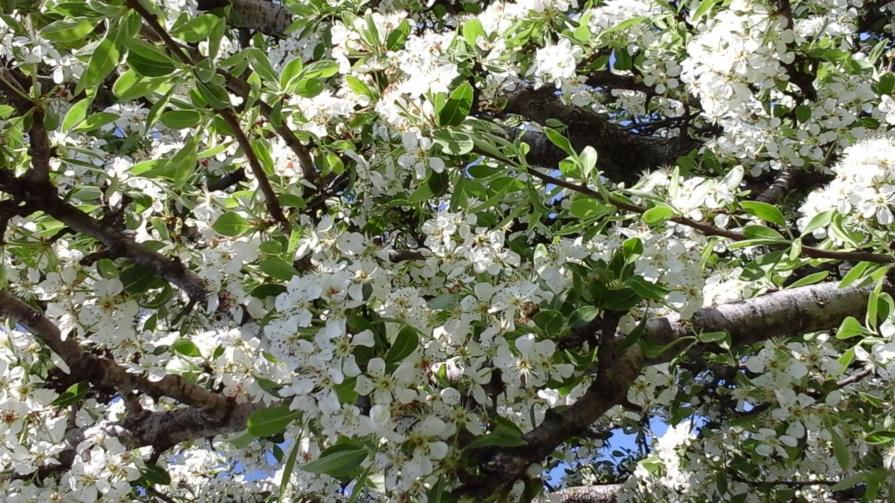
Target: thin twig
x: 710, y: 230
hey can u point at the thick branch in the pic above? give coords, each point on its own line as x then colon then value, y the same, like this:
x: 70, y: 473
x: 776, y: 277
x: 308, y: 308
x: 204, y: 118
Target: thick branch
x: 789, y: 180
x: 163, y: 430
x: 43, y: 197
x: 105, y: 372
x: 588, y: 494
x: 623, y: 156
x: 259, y: 15
x: 783, y: 313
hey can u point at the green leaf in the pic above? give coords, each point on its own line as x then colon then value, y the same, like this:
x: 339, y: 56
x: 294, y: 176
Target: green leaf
x: 810, y: 279
x: 180, y: 119
x: 231, y: 224
x: 358, y: 86
x: 761, y: 232
x: 550, y: 321
x: 211, y: 94
x: 270, y: 421
x: 850, y: 327
x: 337, y: 461
x: 657, y: 214
x: 277, y: 268
x: 103, y: 60
x: 287, y: 470
x: 196, y: 29
x: 453, y: 142
x: 803, y: 113
x: 886, y: 83
x: 586, y: 208
x: 396, y: 38
x: 68, y: 30
x: 854, y: 274
x: 560, y: 141
x: 457, y: 106
x: 307, y: 88
x: 186, y: 347
x: 259, y: 62
x: 764, y: 211
x: 182, y: 165
x: 881, y: 437
x: 704, y: 7
x: 155, y: 474
x: 587, y: 160
x: 471, y: 31
x: 76, y: 114
x: 290, y: 72
x: 95, y: 121
x: 714, y: 337
x: 646, y: 290
x: 322, y: 69
x: 405, y: 343
x: 73, y: 394
x: 130, y: 86
x: 138, y: 279
x: 147, y: 59
x: 840, y: 450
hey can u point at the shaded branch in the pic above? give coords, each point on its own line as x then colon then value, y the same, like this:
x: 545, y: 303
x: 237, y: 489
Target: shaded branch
x: 39, y: 196
x: 260, y: 15
x: 789, y: 180
x: 13, y: 83
x: 623, y: 156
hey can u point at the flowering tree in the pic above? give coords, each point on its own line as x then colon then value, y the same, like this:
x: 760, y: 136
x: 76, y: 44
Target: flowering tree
x: 440, y: 251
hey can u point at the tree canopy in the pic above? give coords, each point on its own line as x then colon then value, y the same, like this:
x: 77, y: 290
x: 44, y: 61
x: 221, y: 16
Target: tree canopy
x: 445, y: 250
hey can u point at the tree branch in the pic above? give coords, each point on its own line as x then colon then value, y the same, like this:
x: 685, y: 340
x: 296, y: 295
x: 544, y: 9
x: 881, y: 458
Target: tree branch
x: 790, y: 179
x: 260, y: 15
x: 710, y: 230
x: 270, y: 197
x: 102, y: 371
x: 623, y: 156
x: 39, y: 196
x: 13, y: 82
x: 783, y: 313
x: 588, y: 494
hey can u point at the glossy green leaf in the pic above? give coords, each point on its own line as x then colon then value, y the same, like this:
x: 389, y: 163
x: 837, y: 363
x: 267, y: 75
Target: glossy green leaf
x: 231, y: 224
x: 271, y: 421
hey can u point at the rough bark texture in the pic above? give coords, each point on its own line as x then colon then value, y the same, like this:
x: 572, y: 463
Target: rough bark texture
x: 259, y: 15
x: 589, y: 494
x: 43, y: 197
x: 787, y: 312
x: 103, y: 371
x: 206, y: 413
x: 623, y: 156
x: 791, y: 180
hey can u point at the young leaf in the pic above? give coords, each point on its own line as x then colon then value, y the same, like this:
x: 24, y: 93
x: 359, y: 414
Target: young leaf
x: 231, y: 224
x: 764, y: 211
x: 270, y: 421
x: 337, y: 462
x: 457, y: 106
